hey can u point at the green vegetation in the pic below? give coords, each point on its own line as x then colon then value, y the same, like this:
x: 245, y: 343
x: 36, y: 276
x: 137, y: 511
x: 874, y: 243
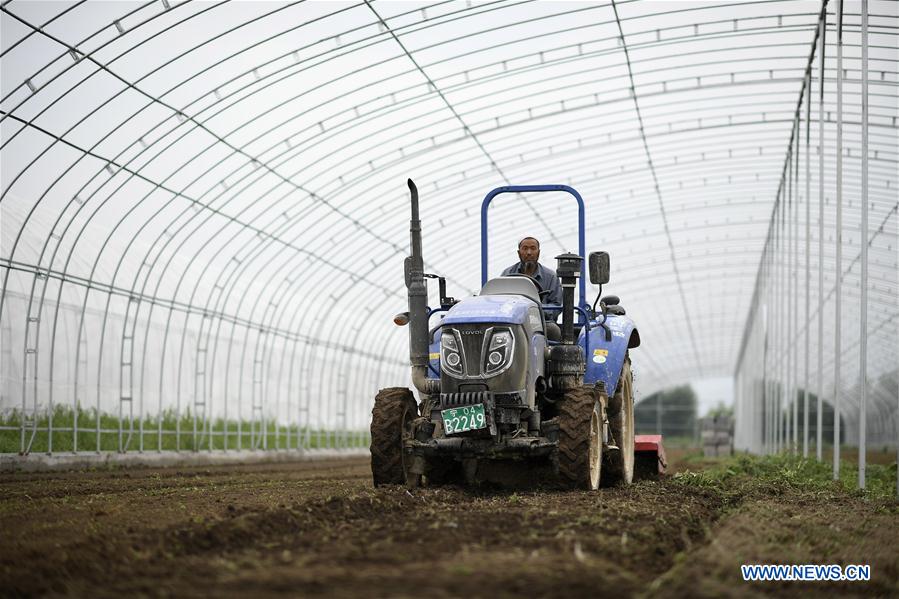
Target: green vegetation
x: 167, y: 432
x: 736, y: 477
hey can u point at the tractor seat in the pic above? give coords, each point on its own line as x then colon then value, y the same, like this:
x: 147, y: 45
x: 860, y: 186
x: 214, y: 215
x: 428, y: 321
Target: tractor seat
x: 613, y: 305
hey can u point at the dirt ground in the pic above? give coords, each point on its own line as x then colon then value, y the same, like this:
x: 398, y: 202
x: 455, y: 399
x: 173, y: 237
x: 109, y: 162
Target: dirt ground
x: 321, y: 529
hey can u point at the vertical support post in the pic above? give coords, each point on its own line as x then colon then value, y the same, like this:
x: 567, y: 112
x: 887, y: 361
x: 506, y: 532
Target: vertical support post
x: 819, y: 440
x: 178, y: 419
x: 159, y: 412
x: 783, y: 412
x: 99, y: 375
x: 772, y: 339
x: 121, y: 417
x: 764, y: 357
x: 769, y: 350
x: 794, y: 397
x: 863, y: 317
x: 808, y: 251
x: 775, y: 320
x: 756, y: 391
x: 289, y: 412
x: 140, y: 408
x: 769, y: 328
x: 781, y: 306
x: 659, y: 414
x: 50, y: 397
x: 76, y: 404
x: 239, y: 413
x: 839, y: 239
x: 225, y: 421
x: 760, y: 363
x: 775, y: 328
x: 788, y: 295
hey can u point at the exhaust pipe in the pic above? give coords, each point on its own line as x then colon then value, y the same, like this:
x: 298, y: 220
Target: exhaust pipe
x: 567, y: 364
x: 418, y: 303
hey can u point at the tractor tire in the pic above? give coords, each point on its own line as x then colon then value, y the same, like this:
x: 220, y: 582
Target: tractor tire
x: 579, y: 455
x: 391, y: 424
x: 618, y: 467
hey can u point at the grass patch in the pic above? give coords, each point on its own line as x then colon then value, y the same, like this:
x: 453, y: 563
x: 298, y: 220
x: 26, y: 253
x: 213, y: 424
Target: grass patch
x: 166, y: 432
x: 744, y: 474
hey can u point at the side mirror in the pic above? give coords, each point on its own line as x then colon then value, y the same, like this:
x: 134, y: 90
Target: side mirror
x: 599, y: 268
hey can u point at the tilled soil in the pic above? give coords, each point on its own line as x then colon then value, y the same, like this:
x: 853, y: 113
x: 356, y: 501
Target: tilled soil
x: 307, y: 529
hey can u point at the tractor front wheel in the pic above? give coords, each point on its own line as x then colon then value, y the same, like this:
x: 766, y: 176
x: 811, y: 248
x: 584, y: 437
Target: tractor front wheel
x: 391, y: 424
x: 580, y: 439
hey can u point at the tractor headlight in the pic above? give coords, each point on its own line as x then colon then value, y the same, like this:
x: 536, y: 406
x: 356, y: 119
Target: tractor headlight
x: 498, y: 356
x: 450, y: 353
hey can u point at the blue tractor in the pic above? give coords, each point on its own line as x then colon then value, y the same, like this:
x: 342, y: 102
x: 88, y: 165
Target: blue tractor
x: 501, y: 383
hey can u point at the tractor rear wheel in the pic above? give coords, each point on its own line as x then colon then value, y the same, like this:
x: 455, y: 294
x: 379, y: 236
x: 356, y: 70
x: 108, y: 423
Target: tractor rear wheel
x: 618, y: 467
x: 580, y: 439
x: 391, y: 424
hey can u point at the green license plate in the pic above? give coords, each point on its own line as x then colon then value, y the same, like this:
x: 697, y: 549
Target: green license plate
x: 466, y: 418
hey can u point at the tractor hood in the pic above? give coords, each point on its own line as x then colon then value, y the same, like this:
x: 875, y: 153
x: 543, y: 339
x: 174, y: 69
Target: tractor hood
x: 507, y: 309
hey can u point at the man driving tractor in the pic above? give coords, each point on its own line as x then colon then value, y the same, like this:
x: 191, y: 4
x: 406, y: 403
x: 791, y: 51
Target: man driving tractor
x: 528, y: 255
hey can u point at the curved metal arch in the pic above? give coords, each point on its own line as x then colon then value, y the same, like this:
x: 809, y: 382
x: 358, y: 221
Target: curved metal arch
x: 38, y: 29
x: 58, y: 15
x: 64, y: 134
x: 244, y: 265
x: 288, y: 303
x: 99, y: 254
x: 224, y: 297
x: 585, y: 194
x: 100, y: 67
x: 398, y: 105
x: 436, y: 161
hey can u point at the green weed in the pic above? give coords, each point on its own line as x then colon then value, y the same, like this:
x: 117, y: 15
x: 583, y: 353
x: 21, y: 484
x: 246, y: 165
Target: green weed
x: 166, y: 432
x: 743, y: 473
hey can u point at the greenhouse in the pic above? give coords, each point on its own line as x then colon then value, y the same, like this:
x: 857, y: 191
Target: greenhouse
x: 245, y: 247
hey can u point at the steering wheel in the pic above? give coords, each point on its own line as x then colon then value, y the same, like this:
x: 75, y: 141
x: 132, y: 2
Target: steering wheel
x: 541, y: 293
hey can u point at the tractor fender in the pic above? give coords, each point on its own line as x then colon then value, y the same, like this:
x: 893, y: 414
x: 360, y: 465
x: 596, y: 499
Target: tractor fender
x: 606, y: 358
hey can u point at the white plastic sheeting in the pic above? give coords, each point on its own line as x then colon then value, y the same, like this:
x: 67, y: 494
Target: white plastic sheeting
x: 204, y: 206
